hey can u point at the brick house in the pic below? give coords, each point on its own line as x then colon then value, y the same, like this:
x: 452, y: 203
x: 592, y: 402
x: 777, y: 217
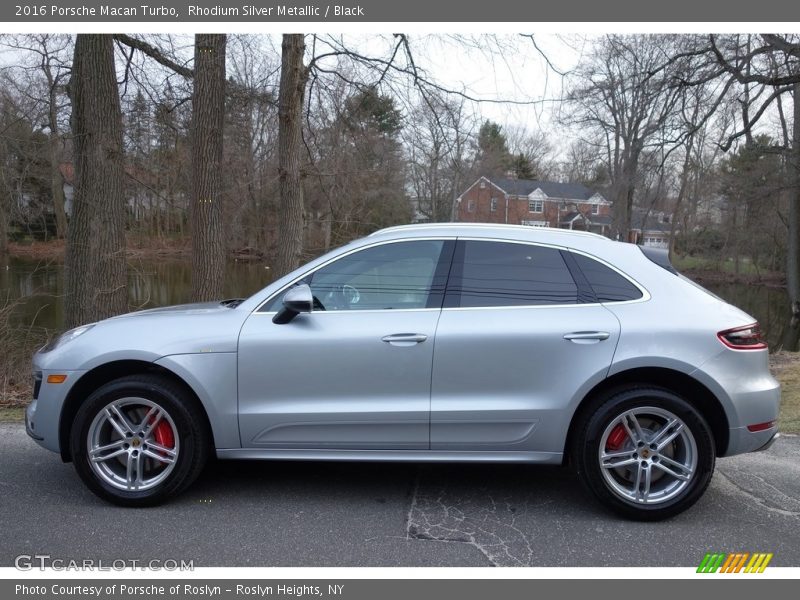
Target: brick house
x: 534, y: 203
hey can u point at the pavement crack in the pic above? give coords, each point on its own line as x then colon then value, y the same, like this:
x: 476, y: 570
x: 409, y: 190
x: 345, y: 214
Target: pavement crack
x: 762, y: 502
x: 476, y: 517
x: 413, y: 503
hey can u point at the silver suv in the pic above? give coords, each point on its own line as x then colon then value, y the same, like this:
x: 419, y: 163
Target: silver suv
x: 439, y: 342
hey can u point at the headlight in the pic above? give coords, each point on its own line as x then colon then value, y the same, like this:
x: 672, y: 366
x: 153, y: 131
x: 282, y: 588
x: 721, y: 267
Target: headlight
x: 65, y: 337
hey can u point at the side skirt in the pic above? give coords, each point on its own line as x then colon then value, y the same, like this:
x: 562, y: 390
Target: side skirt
x: 548, y: 458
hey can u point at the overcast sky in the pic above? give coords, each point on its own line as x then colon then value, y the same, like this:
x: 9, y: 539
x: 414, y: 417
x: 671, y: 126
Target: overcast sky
x: 490, y: 67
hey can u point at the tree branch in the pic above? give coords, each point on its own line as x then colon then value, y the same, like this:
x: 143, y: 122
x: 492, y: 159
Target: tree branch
x: 155, y: 54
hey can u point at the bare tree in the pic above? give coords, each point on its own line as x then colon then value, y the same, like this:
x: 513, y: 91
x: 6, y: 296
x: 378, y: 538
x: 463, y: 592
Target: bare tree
x: 294, y: 75
x: 95, y: 268
x: 208, y: 111
x: 437, y: 139
x: 251, y: 125
x: 623, y: 93
x: 535, y: 149
x: 43, y: 78
x: 692, y: 106
x: 54, y: 74
x: 766, y: 68
x: 792, y: 335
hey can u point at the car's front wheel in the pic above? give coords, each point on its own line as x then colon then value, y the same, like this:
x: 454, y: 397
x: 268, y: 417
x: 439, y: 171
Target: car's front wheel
x: 645, y: 453
x: 138, y: 440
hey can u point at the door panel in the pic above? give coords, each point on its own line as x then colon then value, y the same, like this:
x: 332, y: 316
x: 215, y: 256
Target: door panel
x: 504, y: 377
x: 328, y: 380
x: 356, y: 372
x: 519, y: 338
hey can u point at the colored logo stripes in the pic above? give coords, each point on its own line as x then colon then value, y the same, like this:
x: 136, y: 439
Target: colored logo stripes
x: 738, y: 562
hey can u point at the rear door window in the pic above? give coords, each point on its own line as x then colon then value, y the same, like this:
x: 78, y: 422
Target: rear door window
x: 490, y: 273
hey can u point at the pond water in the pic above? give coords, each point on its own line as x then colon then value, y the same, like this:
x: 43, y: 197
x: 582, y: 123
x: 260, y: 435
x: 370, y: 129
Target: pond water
x: 151, y: 283
x: 161, y: 283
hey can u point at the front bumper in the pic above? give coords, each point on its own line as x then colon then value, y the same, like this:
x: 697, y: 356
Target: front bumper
x: 29, y: 424
x: 43, y: 415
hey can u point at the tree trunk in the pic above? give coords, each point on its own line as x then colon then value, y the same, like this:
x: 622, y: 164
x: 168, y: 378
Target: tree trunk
x: 630, y: 168
x: 3, y: 228
x: 208, y: 111
x: 791, y: 336
x: 56, y: 178
x: 57, y: 187
x: 290, y: 107
x: 327, y: 230
x: 5, y: 209
x: 95, y: 268
x: 673, y: 222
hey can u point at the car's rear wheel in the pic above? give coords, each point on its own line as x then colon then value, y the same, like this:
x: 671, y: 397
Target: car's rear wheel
x: 644, y: 452
x: 138, y: 440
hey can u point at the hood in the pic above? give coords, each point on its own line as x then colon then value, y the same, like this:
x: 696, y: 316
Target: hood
x: 149, y: 335
x: 196, y: 308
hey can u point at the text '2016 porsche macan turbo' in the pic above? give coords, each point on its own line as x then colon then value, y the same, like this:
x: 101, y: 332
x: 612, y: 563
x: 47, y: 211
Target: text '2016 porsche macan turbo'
x: 437, y: 342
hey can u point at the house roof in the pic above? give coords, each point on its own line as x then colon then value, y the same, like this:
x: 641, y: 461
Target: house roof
x: 553, y: 189
x: 571, y: 216
x: 654, y: 222
x: 593, y: 219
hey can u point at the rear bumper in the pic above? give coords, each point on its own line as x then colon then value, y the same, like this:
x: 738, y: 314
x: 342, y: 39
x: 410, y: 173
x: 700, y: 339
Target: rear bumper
x: 769, y: 443
x: 749, y: 395
x: 741, y: 440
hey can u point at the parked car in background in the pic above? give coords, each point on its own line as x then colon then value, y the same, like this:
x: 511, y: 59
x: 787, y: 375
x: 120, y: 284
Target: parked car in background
x: 436, y: 342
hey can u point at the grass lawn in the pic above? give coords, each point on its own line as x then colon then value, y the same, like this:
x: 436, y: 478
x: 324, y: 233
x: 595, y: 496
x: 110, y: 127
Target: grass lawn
x: 699, y: 263
x: 785, y: 366
x: 11, y: 414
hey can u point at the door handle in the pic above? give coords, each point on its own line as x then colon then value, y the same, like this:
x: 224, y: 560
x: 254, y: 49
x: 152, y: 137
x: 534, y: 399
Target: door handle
x: 404, y: 339
x: 587, y: 336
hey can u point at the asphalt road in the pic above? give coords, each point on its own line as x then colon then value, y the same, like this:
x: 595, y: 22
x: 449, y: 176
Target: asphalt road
x: 342, y: 514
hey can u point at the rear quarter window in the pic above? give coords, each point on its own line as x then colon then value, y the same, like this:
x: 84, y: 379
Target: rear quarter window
x: 607, y: 284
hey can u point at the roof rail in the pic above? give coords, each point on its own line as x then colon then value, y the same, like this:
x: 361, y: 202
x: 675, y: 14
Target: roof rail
x: 424, y: 226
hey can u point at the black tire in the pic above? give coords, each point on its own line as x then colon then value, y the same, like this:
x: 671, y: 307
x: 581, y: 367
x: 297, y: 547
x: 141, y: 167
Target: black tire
x: 598, y: 419
x: 190, y: 426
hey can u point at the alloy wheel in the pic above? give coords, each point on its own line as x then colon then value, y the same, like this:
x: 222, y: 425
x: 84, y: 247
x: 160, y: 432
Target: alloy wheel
x: 133, y: 444
x: 647, y: 455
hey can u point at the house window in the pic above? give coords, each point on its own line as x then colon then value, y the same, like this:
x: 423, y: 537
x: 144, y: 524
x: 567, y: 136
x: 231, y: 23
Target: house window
x: 471, y: 206
x: 535, y: 206
x: 595, y: 209
x: 482, y: 185
x: 493, y: 205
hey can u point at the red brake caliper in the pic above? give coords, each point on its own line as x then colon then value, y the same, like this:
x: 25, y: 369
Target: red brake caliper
x: 615, y: 438
x: 163, y: 434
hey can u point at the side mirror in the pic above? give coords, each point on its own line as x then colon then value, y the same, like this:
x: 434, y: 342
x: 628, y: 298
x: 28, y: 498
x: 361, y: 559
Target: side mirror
x: 297, y: 300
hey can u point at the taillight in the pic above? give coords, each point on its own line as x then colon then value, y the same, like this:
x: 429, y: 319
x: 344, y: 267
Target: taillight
x: 743, y: 338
